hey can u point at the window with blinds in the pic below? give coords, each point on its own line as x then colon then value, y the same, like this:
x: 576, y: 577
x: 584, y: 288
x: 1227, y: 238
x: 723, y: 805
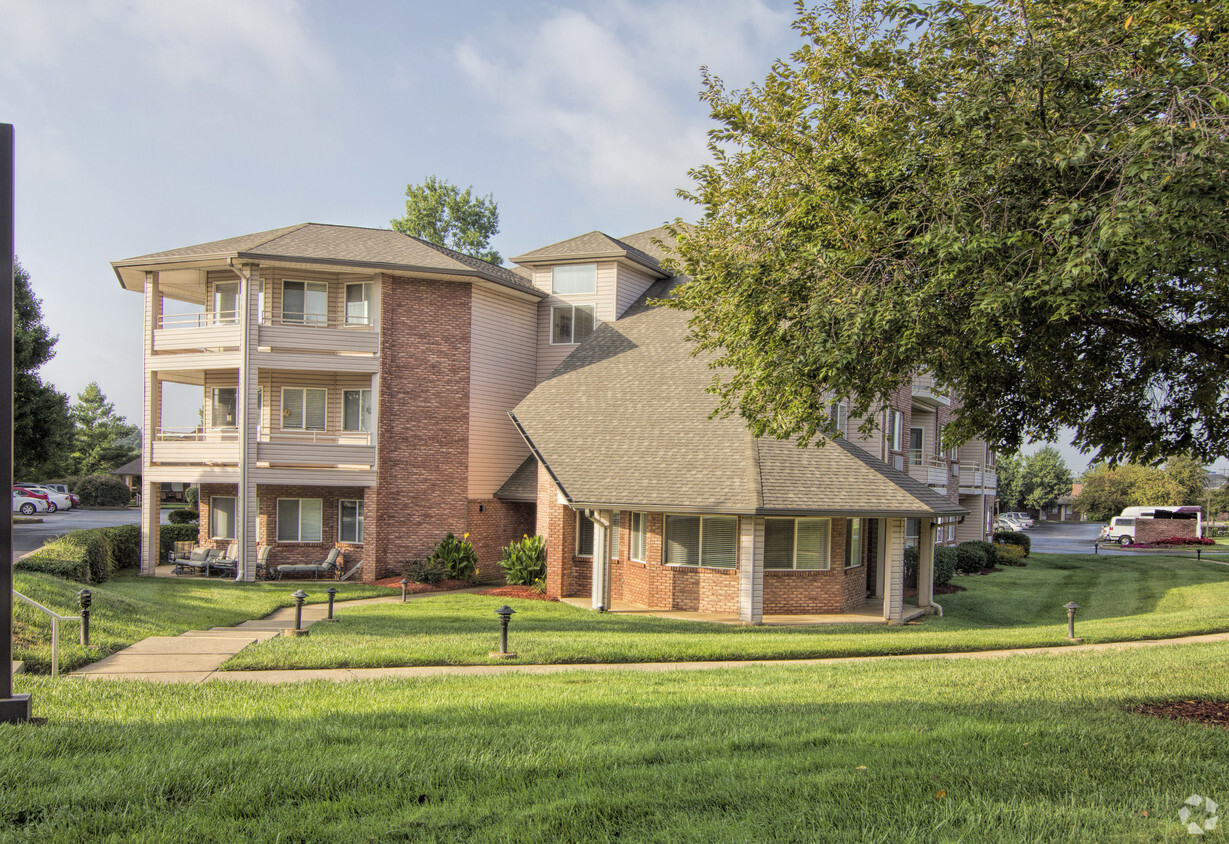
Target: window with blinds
x: 299, y: 519
x: 584, y: 535
x: 853, y: 543
x: 614, y: 535
x: 639, y: 535
x: 574, y: 278
x: 222, y: 509
x: 710, y: 541
x: 304, y: 408
x: 797, y: 544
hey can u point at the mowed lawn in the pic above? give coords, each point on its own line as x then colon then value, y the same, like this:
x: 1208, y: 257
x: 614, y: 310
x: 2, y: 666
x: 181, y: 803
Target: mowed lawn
x: 1121, y: 598
x: 129, y: 608
x: 1028, y: 748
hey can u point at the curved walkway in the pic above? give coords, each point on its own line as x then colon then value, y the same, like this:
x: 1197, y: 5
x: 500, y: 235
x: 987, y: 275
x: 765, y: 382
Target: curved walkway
x: 197, y: 655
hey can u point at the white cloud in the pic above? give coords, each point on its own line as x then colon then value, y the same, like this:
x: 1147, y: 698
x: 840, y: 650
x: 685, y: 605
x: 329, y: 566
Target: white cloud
x: 610, y: 93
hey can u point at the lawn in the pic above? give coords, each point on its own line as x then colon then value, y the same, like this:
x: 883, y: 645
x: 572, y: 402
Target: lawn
x: 1121, y: 598
x: 130, y: 608
x: 1039, y: 748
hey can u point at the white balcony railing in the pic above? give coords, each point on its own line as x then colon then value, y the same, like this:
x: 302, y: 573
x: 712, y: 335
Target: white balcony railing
x: 977, y: 477
x: 296, y: 437
x: 210, y: 320
x: 196, y: 435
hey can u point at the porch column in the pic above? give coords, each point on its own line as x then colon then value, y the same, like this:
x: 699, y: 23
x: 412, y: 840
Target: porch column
x: 926, y: 563
x: 881, y: 555
x: 150, y: 518
x: 751, y: 569
x: 247, y: 421
x: 601, y: 558
x: 151, y: 422
x: 894, y: 571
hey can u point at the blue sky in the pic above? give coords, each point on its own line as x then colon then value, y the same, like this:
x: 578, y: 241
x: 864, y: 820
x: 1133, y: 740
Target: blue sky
x: 145, y: 125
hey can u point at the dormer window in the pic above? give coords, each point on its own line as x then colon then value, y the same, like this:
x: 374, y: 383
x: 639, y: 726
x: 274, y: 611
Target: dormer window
x: 570, y: 324
x: 574, y: 278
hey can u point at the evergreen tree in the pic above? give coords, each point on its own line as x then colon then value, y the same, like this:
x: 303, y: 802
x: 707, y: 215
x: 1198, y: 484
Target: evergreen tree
x: 103, y: 439
x: 42, y: 429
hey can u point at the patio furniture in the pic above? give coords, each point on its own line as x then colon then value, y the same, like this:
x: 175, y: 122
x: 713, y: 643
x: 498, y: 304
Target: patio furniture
x: 330, y: 566
x: 262, y: 563
x: 196, y: 562
x: 225, y: 562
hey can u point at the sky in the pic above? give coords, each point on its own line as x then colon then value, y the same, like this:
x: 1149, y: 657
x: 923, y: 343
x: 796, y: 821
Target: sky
x: 146, y: 125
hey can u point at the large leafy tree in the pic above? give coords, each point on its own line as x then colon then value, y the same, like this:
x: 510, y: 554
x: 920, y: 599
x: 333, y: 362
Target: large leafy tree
x: 103, y: 439
x: 440, y: 212
x: 1044, y: 478
x: 42, y: 430
x: 1108, y: 489
x: 1026, y: 199
x: 1010, y: 493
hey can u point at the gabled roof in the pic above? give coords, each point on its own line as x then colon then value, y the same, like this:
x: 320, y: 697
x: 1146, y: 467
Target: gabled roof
x: 316, y: 243
x: 624, y: 421
x: 132, y: 467
x: 522, y: 484
x: 591, y: 246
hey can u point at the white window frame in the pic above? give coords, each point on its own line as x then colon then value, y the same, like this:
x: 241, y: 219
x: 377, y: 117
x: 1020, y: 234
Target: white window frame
x: 572, y: 270
x: 345, y: 303
x: 213, y: 406
x: 699, y: 541
x: 304, y: 426
x: 232, y: 317
x: 615, y: 520
x: 361, y: 403
x: 299, y: 532
x: 313, y: 320
x: 639, y: 537
x: 896, y: 435
x: 853, y: 556
x: 358, y: 521
x: 827, y: 566
x: 580, y: 515
x: 572, y: 341
x: 840, y: 418
x: 233, y: 516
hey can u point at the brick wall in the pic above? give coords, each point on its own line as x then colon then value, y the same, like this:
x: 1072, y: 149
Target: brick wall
x: 1150, y: 530
x: 493, y: 524
x: 557, y: 523
x: 421, y: 476
x: 207, y: 492
x: 303, y: 553
x: 833, y: 591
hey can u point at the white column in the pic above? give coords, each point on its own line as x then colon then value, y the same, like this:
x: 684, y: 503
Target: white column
x: 881, y: 539
x: 601, y: 558
x: 751, y: 569
x: 248, y: 422
x: 151, y: 421
x: 894, y: 571
x: 926, y: 564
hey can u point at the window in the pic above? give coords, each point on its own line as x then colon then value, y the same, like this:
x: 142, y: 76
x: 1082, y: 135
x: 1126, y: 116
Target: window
x: 797, y: 544
x: 222, y: 414
x: 299, y: 519
x: 226, y: 302
x: 913, y: 531
x: 853, y: 543
x: 840, y: 418
x: 356, y: 410
x: 350, y: 522
x: 570, y: 324
x: 702, y: 541
x: 358, y: 308
x: 638, y: 537
x: 222, y: 510
x: 574, y: 278
x: 614, y: 535
x: 304, y: 408
x: 915, y: 446
x: 584, y: 535
x: 896, y: 432
x: 305, y: 302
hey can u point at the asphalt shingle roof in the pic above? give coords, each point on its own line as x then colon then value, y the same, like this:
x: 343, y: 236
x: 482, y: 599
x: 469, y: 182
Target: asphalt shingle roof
x: 624, y: 420
x: 522, y: 484
x: 595, y: 244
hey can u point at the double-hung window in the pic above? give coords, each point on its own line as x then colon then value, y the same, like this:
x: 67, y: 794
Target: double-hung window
x: 569, y: 324
x: 840, y: 418
x: 222, y: 517
x: 358, y: 303
x: 226, y: 302
x: 350, y: 521
x: 913, y: 531
x: 585, y: 534
x: 702, y: 541
x: 853, y: 543
x: 304, y: 408
x: 639, y: 534
x: 305, y: 302
x: 356, y: 410
x: 299, y: 519
x: 797, y: 544
x: 222, y: 413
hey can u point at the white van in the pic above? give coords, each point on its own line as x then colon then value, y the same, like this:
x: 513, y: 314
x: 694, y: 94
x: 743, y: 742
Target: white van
x: 1121, y: 529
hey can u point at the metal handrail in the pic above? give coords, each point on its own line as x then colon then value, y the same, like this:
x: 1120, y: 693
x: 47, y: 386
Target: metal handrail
x: 56, y: 618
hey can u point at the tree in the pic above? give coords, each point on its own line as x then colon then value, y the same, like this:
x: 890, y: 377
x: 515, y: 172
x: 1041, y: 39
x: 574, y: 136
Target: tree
x: 1190, y: 477
x: 103, y: 439
x: 1044, y: 478
x: 1010, y: 494
x: 1107, y: 490
x: 440, y: 212
x: 42, y: 430
x: 1026, y: 200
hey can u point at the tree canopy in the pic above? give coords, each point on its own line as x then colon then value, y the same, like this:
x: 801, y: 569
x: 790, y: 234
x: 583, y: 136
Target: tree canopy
x: 103, y: 439
x: 42, y: 430
x: 1026, y: 199
x: 1108, y: 489
x: 440, y: 212
x: 1033, y: 482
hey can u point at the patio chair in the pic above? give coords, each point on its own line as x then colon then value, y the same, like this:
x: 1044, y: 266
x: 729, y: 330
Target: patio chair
x: 197, y: 561
x: 329, y: 566
x: 225, y: 562
x: 262, y: 563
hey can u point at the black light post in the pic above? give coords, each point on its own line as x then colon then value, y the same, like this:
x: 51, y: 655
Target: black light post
x: 84, y: 597
x: 1071, y: 608
x: 332, y: 593
x: 299, y: 597
x: 505, y: 613
x: 404, y: 584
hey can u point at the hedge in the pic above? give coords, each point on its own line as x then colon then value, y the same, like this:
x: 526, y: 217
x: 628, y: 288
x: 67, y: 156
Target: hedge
x: 972, y: 557
x: 1014, y: 537
x: 945, y: 564
x: 183, y: 516
x: 82, y: 555
x: 103, y: 491
x: 168, y: 535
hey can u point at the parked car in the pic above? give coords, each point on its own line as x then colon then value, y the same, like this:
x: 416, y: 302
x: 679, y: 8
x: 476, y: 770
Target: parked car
x: 26, y: 503
x: 1022, y: 518
x: 58, y: 500
x: 1008, y: 524
x: 1121, y: 529
x: 64, y: 489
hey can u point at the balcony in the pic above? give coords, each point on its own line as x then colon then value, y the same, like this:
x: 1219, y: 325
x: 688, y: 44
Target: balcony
x: 927, y: 394
x: 220, y: 447
x: 322, y: 338
x: 977, y: 478
x: 928, y: 469
x: 195, y: 447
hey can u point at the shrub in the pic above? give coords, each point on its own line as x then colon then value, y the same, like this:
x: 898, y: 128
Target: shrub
x: 423, y: 571
x: 1183, y: 540
x: 945, y: 564
x: 124, y: 542
x: 1013, y: 537
x: 1009, y: 555
x: 524, y: 561
x: 971, y: 557
x: 456, y: 556
x: 82, y: 555
x: 911, y: 557
x: 103, y: 491
x: 192, y: 495
x: 168, y: 535
x: 183, y: 516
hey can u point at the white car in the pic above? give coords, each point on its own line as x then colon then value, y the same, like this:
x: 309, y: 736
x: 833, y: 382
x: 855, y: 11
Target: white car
x: 59, y: 500
x: 1022, y: 518
x: 1008, y: 524
x: 27, y: 504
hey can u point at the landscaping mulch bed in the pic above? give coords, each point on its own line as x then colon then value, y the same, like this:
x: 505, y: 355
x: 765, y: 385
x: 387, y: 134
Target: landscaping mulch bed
x: 527, y: 592
x: 394, y: 582
x: 1214, y: 713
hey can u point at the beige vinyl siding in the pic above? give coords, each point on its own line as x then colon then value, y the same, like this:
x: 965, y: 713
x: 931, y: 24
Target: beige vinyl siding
x: 334, y: 383
x: 873, y: 442
x: 217, y: 379
x: 632, y: 282
x: 604, y: 302
x: 503, y: 370
x: 273, y: 278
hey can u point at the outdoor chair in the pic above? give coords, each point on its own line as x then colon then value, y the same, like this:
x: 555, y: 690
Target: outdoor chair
x: 225, y: 562
x: 262, y: 563
x: 330, y: 566
x: 197, y: 561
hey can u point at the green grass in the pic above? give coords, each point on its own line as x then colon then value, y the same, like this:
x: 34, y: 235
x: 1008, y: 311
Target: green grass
x: 129, y: 608
x: 1003, y: 750
x: 1121, y: 598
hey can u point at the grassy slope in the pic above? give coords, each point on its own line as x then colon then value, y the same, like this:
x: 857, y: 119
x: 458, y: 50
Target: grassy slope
x: 1121, y: 598
x: 130, y: 608
x: 1020, y: 749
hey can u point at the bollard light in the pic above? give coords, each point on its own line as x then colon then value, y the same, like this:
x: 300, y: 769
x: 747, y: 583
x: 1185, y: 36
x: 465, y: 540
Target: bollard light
x: 505, y: 613
x: 299, y: 598
x: 404, y: 584
x: 332, y: 593
x: 1071, y: 608
x: 84, y: 598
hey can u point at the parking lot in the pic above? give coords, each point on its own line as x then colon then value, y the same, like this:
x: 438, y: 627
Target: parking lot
x: 27, y: 538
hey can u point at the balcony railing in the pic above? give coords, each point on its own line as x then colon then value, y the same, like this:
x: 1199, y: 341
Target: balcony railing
x: 977, y: 477
x: 196, y: 435
x: 930, y: 461
x: 280, y: 435
x: 210, y: 320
